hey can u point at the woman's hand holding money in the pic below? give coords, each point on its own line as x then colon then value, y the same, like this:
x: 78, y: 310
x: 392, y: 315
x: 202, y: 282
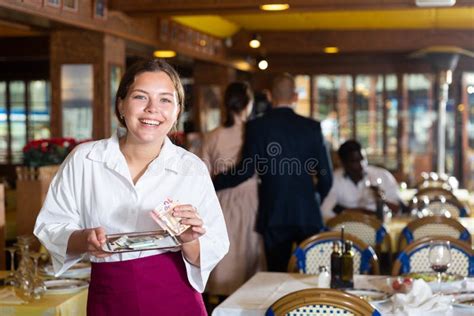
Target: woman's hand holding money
x: 189, y: 216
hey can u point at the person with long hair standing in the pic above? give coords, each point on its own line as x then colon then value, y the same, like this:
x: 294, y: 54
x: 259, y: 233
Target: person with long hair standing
x: 111, y: 185
x: 221, y: 151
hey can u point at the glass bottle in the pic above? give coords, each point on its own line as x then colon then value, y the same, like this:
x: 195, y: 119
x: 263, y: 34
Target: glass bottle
x: 24, y: 273
x: 336, y: 257
x: 347, y: 274
x: 324, y: 279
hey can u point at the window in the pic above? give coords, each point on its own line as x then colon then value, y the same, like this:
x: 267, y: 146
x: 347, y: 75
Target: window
x: 421, y: 119
x: 391, y: 121
x: 333, y: 107
x: 17, y: 119
x: 39, y: 114
x: 369, y: 113
x: 469, y: 96
x: 115, y: 76
x: 24, y: 116
x: 303, y: 89
x: 3, y: 123
x: 76, y: 100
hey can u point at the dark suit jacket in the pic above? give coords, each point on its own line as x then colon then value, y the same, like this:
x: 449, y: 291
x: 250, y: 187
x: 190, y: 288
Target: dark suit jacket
x: 286, y: 150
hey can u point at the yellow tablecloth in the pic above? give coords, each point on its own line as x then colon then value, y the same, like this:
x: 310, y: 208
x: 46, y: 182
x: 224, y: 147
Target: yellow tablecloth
x: 60, y: 305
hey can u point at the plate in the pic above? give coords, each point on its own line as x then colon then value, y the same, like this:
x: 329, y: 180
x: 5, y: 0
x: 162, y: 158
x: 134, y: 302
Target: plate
x: 64, y: 286
x: 449, y: 282
x: 432, y: 277
x: 371, y: 296
x: 463, y: 303
x: 80, y: 270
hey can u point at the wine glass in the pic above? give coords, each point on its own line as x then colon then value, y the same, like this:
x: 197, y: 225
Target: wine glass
x: 440, y: 258
x: 10, y: 279
x: 38, y: 285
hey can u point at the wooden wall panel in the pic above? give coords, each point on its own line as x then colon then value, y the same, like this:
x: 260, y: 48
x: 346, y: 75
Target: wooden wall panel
x: 83, y: 47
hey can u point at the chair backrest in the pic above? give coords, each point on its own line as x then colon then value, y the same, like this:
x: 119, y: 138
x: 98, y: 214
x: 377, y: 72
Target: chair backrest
x: 414, y: 258
x: 367, y: 228
x: 432, y: 192
x: 433, y: 226
x: 453, y: 206
x: 316, y: 251
x: 437, y: 180
x: 319, y: 302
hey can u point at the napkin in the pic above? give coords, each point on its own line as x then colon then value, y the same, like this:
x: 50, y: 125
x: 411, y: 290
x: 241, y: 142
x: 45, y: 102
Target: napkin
x: 8, y: 296
x: 466, y: 284
x: 419, y: 301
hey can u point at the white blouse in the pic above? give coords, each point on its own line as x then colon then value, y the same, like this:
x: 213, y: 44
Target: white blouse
x: 94, y: 188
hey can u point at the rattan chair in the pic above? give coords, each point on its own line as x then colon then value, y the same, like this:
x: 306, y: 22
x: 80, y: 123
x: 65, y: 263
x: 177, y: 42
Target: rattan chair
x: 320, y: 302
x: 432, y: 192
x: 414, y: 258
x: 435, y: 180
x: 316, y: 251
x: 367, y: 228
x: 453, y: 206
x: 433, y: 226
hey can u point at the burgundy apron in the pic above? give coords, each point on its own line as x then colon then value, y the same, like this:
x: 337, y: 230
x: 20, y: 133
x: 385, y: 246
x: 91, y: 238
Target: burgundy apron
x: 154, y: 285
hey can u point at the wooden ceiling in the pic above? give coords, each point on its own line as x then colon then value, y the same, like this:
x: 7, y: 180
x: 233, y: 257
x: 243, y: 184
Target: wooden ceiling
x: 218, y: 7
x: 354, y: 26
x: 12, y: 29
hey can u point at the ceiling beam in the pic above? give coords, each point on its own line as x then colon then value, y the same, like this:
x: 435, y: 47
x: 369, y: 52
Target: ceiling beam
x: 360, y: 41
x: 193, y: 7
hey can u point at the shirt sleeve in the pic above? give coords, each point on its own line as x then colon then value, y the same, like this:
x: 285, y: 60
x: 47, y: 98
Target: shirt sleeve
x: 214, y: 244
x: 59, y: 218
x: 391, y: 188
x: 329, y: 203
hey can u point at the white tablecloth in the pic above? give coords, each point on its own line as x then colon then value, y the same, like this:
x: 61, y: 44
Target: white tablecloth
x: 257, y: 294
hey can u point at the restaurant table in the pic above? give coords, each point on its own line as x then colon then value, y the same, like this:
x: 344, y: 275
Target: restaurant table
x: 49, y: 305
x: 255, y: 296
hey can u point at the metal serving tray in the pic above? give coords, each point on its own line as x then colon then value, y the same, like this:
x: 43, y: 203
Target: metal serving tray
x: 140, y: 241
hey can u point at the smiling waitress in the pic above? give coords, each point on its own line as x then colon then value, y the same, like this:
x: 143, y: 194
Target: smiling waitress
x: 111, y: 185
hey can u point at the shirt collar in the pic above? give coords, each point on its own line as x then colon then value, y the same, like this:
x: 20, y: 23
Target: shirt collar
x: 287, y: 108
x: 168, y: 157
x: 346, y: 176
x: 108, y: 151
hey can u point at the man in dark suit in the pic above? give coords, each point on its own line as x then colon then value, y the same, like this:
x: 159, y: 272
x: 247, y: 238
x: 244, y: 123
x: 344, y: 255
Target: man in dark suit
x: 287, y: 151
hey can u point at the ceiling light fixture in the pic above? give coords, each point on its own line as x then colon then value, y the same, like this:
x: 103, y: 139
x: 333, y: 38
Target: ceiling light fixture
x: 164, y: 53
x: 331, y: 50
x: 262, y: 64
x: 255, y: 42
x: 274, y: 7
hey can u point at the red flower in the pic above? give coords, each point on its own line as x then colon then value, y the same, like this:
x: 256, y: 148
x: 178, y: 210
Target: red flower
x: 42, y: 152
